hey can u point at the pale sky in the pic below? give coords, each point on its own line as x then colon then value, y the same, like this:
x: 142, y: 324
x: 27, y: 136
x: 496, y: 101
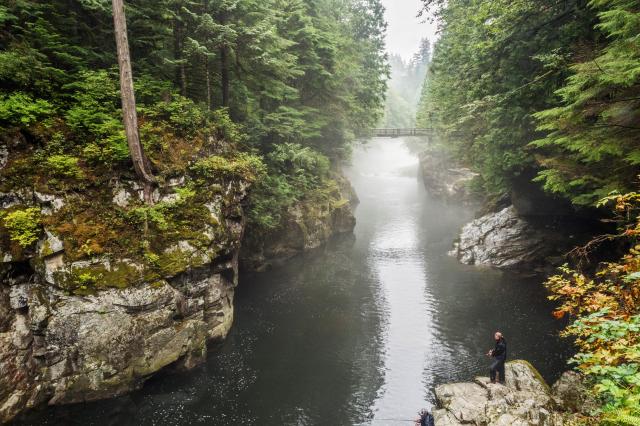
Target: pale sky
x: 405, y: 29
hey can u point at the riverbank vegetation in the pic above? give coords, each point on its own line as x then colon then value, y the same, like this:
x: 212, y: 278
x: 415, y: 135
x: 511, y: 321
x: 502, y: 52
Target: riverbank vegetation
x: 606, y: 321
x: 548, y: 91
x: 225, y: 90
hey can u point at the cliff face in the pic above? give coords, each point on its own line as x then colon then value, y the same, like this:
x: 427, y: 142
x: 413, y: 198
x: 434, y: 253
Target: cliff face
x: 525, y: 230
x: 308, y: 224
x: 98, y: 291
x: 445, y: 179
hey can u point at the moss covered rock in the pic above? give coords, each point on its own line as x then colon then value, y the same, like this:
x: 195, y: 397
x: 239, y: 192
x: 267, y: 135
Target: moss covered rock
x: 100, y: 290
x: 306, y: 225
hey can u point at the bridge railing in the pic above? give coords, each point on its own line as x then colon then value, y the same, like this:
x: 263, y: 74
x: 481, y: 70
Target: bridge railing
x: 395, y: 133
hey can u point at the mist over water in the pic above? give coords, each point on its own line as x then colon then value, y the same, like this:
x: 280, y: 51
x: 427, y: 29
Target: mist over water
x: 358, y: 332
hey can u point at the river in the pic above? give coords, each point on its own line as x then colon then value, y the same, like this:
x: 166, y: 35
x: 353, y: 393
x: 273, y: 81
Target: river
x: 358, y: 332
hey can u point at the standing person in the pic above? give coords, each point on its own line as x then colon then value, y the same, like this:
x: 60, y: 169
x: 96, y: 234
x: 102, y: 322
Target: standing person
x: 499, y: 354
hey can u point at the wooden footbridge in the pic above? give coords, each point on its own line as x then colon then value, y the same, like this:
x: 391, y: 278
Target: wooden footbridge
x: 396, y: 133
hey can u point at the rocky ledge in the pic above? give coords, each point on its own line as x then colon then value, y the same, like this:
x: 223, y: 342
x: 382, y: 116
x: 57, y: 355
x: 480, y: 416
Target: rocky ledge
x: 525, y: 400
x: 444, y: 179
x: 307, y: 225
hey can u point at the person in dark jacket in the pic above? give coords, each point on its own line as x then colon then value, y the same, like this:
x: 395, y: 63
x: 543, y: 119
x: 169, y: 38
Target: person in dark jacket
x: 499, y: 354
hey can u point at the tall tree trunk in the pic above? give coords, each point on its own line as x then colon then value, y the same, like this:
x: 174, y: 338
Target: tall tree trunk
x: 130, y: 118
x: 207, y: 66
x: 224, y: 72
x: 208, y: 73
x: 224, y: 64
x: 178, y: 45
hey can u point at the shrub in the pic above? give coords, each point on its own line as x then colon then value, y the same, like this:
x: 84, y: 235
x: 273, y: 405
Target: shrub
x: 23, y: 225
x: 21, y: 110
x: 96, y: 119
x: 293, y: 172
x: 246, y: 166
x: 606, y: 326
x: 64, y: 166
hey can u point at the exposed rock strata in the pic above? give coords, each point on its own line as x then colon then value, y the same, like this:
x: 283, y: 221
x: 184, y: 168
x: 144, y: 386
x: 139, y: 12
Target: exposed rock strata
x: 444, y: 179
x: 307, y: 225
x: 506, y: 240
x: 526, y: 400
x: 59, y: 346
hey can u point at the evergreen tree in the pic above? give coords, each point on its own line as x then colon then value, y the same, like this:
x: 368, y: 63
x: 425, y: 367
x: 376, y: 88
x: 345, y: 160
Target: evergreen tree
x: 590, y: 147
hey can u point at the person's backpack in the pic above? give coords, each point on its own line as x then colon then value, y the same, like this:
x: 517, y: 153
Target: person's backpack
x: 426, y: 418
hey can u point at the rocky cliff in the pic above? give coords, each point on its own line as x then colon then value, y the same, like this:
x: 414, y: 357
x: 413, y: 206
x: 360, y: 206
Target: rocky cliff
x: 526, y: 229
x: 445, y: 179
x: 307, y: 224
x: 525, y: 400
x: 98, y: 291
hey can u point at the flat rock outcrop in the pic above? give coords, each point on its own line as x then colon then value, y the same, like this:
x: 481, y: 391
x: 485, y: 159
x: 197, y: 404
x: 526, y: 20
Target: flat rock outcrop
x: 505, y: 240
x: 525, y: 400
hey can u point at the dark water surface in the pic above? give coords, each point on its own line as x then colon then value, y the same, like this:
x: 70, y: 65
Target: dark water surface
x: 358, y: 332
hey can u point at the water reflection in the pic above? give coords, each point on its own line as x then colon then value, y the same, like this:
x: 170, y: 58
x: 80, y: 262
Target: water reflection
x: 358, y: 332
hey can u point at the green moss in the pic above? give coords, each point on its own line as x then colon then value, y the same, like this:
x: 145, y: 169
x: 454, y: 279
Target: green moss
x: 174, y: 262
x: 23, y: 225
x: 244, y: 166
x: 46, y: 249
x: 338, y: 204
x: 88, y: 279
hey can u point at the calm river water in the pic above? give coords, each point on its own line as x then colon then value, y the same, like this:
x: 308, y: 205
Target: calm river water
x: 359, y: 332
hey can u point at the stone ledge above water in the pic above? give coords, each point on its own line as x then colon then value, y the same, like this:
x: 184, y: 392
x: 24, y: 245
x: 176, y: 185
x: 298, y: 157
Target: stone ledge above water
x: 525, y: 400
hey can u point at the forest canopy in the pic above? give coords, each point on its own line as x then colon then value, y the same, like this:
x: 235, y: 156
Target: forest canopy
x: 544, y: 89
x: 548, y: 91
x: 259, y: 73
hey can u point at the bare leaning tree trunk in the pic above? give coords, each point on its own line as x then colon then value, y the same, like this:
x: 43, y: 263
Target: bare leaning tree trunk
x: 130, y: 118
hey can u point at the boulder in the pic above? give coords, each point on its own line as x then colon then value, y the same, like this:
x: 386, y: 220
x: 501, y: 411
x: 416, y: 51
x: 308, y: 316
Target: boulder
x: 524, y: 400
x: 60, y: 348
x: 504, y: 240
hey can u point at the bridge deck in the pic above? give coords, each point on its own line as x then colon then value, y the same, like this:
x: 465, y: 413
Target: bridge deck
x: 395, y: 133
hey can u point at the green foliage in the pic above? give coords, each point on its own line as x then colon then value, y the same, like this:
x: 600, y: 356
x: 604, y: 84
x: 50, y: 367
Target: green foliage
x: 620, y: 418
x: 21, y: 110
x: 606, y: 326
x: 222, y: 88
x: 293, y: 172
x: 548, y: 87
x: 94, y: 116
x: 64, y: 166
x: 245, y: 166
x: 405, y: 84
x: 590, y: 145
x: 155, y: 215
x: 495, y: 64
x: 181, y: 114
x: 23, y: 225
